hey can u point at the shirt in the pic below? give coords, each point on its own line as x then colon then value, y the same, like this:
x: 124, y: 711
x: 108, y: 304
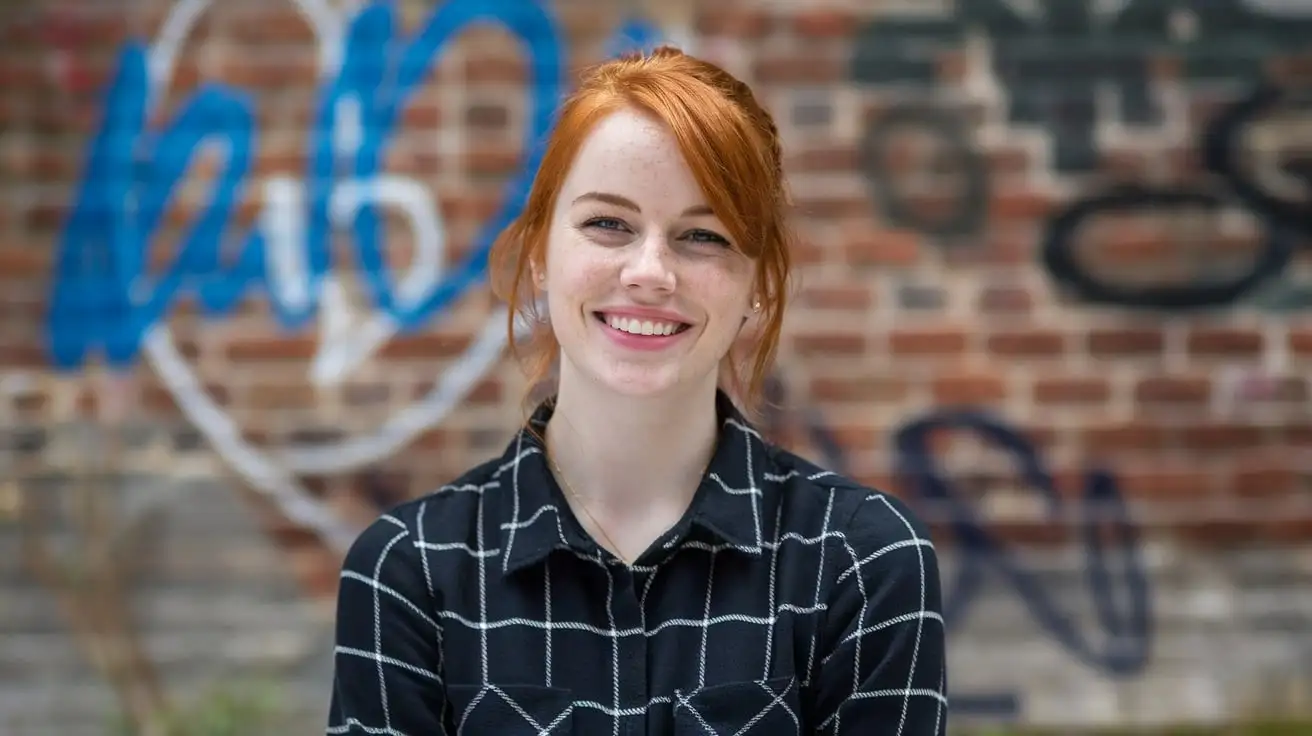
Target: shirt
x: 787, y: 600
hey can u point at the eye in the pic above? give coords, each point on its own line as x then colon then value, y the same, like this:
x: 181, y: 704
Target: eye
x: 705, y: 236
x: 606, y: 223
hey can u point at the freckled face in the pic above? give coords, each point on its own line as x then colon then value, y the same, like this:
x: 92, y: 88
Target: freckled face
x: 645, y: 290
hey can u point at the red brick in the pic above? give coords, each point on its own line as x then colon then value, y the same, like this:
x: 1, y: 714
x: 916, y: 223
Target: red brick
x: 489, y: 69
x: 822, y: 344
x: 1025, y: 206
x: 930, y: 341
x: 1300, y: 341
x: 872, y: 389
x: 802, y: 68
x: 968, y: 389
x: 830, y: 207
x: 742, y: 23
x: 1225, y: 342
x: 1217, y: 437
x: 1174, y: 390
x: 1287, y: 531
x: 1217, y: 532
x: 1125, y: 342
x: 1005, y: 300
x: 824, y: 23
x: 280, y: 396
x: 1266, y: 479
x: 884, y: 247
x: 422, y: 116
x: 426, y: 345
x: 1138, y: 436
x: 1160, y: 483
x: 1033, y: 343
x: 491, y: 162
x: 1072, y: 390
x: 244, y: 349
x: 18, y: 260
x: 830, y: 158
x: 487, y: 391
x: 837, y: 298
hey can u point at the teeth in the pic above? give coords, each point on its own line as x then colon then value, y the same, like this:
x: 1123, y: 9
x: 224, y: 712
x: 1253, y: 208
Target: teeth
x: 641, y: 327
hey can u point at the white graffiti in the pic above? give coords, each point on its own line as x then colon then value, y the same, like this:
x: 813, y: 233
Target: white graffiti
x: 345, y: 340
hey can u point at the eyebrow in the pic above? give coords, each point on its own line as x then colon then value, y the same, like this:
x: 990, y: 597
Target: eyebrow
x: 628, y: 204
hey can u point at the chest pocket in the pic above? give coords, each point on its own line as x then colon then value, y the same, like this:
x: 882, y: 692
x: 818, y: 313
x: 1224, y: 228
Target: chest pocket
x: 752, y: 708
x: 510, y: 710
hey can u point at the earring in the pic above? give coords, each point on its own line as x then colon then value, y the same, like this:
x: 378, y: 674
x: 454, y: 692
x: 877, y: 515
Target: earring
x: 756, y: 306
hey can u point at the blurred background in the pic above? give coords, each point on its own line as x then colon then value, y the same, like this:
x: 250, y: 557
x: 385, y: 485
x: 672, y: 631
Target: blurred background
x: 1054, y: 289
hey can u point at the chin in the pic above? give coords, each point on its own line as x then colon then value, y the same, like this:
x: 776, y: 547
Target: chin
x: 639, y: 382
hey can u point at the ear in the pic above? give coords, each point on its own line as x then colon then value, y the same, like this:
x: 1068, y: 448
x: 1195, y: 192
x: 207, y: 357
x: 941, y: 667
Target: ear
x: 539, y: 276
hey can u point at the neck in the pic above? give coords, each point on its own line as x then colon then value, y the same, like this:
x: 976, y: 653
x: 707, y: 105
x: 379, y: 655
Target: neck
x: 630, y: 456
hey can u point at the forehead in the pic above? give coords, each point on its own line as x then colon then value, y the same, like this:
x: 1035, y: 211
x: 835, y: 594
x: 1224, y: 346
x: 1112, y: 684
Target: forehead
x: 629, y: 152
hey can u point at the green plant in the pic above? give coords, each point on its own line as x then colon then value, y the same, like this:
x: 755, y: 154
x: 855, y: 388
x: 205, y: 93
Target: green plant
x: 227, y: 709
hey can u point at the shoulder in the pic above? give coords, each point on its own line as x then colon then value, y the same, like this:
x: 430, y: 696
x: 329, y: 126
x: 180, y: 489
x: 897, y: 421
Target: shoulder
x: 862, y: 518
x: 446, y: 514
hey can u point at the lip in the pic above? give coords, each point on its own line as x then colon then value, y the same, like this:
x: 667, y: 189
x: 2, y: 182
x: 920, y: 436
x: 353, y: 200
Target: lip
x: 645, y: 313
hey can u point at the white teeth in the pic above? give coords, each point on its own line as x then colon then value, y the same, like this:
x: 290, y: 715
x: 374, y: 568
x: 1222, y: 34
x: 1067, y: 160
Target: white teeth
x: 639, y: 327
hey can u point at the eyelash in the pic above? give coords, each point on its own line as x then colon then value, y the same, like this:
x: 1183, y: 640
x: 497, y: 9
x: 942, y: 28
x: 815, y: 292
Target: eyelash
x: 713, y: 237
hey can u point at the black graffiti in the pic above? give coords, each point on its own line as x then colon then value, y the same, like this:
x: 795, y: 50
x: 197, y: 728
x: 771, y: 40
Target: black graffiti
x: 1287, y: 224
x: 1223, y: 153
x: 1053, y: 65
x: 956, y: 157
x: 1121, y: 593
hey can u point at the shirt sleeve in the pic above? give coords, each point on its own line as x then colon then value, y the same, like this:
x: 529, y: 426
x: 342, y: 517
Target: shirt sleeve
x: 883, y: 668
x: 387, y: 662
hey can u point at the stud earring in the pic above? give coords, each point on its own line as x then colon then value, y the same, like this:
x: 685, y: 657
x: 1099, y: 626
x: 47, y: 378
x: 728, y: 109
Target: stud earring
x: 756, y: 306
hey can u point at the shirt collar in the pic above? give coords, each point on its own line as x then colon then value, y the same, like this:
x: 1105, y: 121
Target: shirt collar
x: 534, y: 518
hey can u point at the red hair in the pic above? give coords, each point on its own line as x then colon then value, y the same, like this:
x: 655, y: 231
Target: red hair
x: 732, y: 146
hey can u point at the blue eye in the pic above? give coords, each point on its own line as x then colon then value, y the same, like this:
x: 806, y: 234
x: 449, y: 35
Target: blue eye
x: 706, y: 236
x: 605, y: 223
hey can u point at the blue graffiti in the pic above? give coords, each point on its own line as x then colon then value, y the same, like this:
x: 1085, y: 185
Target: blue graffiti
x: 1127, y: 629
x: 101, y: 296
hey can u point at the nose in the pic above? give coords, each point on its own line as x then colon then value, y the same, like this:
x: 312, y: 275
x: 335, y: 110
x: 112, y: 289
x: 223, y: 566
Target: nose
x: 649, y: 268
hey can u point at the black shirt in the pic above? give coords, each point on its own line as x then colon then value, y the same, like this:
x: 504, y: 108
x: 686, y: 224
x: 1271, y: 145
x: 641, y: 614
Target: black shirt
x: 787, y: 600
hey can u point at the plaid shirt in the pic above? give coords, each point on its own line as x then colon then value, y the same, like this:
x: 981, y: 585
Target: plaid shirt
x: 788, y: 600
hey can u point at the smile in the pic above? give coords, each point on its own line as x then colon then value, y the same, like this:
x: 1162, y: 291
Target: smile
x: 641, y: 327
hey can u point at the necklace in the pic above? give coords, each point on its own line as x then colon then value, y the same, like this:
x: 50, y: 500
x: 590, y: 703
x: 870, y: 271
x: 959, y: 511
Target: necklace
x: 615, y: 548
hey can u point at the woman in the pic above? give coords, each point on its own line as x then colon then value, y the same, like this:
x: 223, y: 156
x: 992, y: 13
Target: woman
x: 640, y: 560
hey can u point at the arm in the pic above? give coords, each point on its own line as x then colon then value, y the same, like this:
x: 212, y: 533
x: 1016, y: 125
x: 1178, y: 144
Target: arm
x: 388, y: 656
x: 883, y: 665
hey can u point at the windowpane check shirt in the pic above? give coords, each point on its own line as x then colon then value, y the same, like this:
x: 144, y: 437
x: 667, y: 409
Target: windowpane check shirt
x: 788, y: 600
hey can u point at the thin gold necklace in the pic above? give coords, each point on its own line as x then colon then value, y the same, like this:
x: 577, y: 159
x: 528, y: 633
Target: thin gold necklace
x: 615, y: 548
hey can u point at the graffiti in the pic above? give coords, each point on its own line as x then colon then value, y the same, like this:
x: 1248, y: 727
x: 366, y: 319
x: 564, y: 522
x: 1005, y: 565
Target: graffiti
x: 1055, y: 61
x: 104, y: 301
x: 1286, y: 223
x: 1126, y: 631
x: 955, y: 157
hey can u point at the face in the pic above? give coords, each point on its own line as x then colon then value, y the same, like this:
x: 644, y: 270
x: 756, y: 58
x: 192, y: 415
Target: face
x: 645, y: 290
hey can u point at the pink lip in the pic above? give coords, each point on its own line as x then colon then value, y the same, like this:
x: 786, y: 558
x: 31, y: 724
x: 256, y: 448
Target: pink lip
x: 644, y: 313
x: 641, y: 342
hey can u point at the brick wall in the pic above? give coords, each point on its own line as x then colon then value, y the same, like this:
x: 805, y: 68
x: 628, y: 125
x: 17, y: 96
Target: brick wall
x: 941, y: 344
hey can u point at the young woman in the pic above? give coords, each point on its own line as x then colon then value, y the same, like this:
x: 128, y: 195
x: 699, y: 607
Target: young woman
x: 640, y: 560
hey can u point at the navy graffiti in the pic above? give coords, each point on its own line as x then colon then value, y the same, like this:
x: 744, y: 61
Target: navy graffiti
x: 1054, y: 63
x: 1287, y: 224
x: 956, y: 157
x: 1127, y: 627
x: 102, y: 298
x: 1128, y: 632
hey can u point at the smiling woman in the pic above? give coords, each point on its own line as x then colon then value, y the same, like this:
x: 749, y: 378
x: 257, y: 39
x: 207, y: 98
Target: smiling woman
x: 640, y: 559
